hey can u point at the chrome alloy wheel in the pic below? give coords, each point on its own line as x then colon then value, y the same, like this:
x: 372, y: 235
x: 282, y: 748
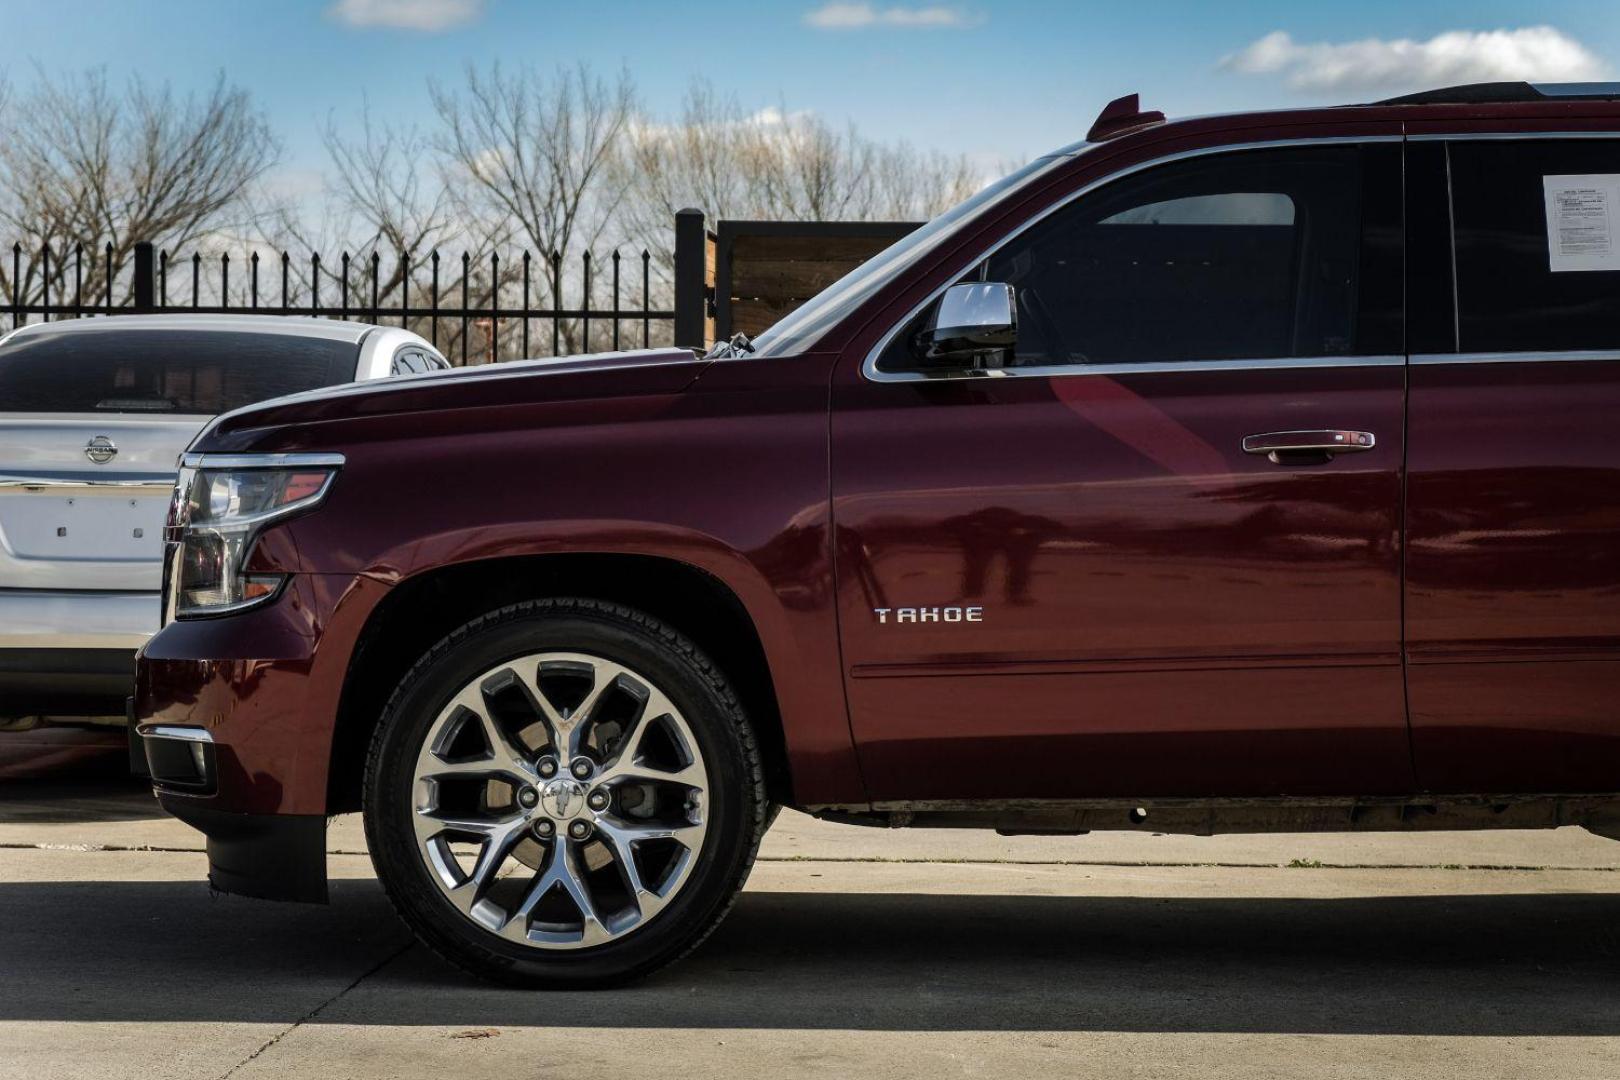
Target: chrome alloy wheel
x: 558, y: 800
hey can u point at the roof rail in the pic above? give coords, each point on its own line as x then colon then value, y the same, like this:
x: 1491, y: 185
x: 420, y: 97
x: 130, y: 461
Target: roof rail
x: 1508, y: 92
x: 1121, y: 115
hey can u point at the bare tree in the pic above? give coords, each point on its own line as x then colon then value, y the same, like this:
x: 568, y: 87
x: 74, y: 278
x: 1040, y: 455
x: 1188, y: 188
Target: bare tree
x: 86, y: 172
x: 394, y: 235
x: 776, y: 165
x: 527, y: 152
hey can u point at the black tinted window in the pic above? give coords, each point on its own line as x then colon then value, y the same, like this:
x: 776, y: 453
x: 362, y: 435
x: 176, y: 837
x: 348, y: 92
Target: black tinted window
x: 1249, y: 254
x: 1535, y: 224
x: 165, y: 371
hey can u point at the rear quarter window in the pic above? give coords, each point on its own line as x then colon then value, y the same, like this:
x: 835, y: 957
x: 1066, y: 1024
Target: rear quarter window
x: 1510, y: 295
x: 164, y: 371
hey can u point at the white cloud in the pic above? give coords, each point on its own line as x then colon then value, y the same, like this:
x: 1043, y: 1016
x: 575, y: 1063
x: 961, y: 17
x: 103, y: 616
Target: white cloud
x: 1532, y: 53
x: 844, y: 16
x: 430, y: 16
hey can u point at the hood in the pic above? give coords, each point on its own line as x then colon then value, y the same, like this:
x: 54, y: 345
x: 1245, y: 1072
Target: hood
x: 642, y: 372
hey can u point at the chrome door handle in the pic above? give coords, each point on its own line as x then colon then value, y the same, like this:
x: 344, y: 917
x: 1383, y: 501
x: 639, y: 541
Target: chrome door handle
x: 1307, y: 447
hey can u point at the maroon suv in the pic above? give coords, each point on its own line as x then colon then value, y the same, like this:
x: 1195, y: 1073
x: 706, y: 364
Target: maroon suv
x: 1243, y: 473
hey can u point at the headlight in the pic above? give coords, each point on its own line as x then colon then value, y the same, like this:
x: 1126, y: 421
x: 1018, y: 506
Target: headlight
x: 221, y: 502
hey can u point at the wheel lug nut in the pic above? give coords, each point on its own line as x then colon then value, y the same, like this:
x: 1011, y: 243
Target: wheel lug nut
x: 598, y: 800
x: 548, y: 767
x: 579, y: 830
x: 582, y: 767
x: 527, y: 798
x: 544, y: 828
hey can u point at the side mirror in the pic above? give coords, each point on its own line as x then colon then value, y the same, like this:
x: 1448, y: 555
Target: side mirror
x: 976, y: 322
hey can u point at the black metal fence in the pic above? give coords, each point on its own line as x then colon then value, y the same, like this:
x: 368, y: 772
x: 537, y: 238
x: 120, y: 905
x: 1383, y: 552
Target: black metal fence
x: 473, y: 310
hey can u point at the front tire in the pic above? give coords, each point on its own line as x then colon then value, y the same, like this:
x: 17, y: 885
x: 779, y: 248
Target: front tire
x: 563, y: 793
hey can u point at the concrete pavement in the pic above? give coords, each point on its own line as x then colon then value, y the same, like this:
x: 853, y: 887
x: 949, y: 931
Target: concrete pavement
x: 853, y: 953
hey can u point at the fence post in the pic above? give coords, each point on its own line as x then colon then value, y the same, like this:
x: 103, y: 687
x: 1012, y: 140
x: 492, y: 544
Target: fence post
x: 145, y: 280
x: 691, y: 297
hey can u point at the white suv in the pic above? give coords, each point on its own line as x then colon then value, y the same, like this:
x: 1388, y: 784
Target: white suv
x: 94, y: 414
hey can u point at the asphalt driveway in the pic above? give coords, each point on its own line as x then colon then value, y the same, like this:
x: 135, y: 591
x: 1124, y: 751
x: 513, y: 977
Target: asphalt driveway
x: 854, y: 953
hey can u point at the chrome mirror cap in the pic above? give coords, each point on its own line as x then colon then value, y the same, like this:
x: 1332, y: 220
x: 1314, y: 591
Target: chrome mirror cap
x: 975, y: 323
x: 979, y: 305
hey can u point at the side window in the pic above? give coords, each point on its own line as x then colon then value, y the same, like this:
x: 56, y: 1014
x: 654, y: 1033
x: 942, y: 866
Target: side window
x: 1250, y: 254
x: 408, y: 361
x: 1536, y: 226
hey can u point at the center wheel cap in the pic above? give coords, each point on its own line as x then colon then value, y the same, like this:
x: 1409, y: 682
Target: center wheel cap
x: 562, y: 798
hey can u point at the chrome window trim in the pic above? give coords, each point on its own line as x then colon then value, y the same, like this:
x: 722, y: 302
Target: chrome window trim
x: 260, y: 461
x: 1165, y: 367
x: 1565, y: 357
x: 174, y: 731
x: 1488, y: 136
x: 869, y: 367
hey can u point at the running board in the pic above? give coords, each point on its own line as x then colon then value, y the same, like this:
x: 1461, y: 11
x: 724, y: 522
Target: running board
x: 1208, y: 817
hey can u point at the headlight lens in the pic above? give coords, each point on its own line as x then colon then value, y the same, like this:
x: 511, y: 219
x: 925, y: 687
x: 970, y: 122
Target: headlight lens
x: 221, y: 503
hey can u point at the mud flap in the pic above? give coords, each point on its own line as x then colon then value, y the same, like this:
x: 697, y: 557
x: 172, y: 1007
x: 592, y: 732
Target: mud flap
x: 269, y: 856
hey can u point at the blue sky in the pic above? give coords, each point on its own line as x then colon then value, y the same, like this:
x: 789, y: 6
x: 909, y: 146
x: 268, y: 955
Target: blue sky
x: 997, y: 80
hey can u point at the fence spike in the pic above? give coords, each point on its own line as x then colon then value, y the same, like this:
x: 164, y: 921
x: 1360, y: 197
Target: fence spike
x: 494, y: 307
x: 526, y: 260
x: 615, y: 299
x: 435, y: 299
x: 585, y: 306
x: 556, y: 300
x: 405, y: 289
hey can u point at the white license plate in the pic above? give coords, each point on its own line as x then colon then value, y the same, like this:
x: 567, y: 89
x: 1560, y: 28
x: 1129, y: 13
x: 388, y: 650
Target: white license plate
x: 77, y: 528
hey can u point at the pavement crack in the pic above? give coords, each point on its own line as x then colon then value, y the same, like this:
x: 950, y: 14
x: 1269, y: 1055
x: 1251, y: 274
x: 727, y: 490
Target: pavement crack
x: 317, y: 1010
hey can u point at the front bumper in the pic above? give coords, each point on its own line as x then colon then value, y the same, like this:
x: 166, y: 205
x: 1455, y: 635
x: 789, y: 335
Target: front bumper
x: 264, y: 686
x: 271, y: 856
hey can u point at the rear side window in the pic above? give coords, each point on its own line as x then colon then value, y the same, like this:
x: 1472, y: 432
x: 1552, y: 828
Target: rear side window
x: 413, y: 361
x: 1530, y: 275
x: 406, y: 362
x: 164, y: 371
x: 1254, y: 254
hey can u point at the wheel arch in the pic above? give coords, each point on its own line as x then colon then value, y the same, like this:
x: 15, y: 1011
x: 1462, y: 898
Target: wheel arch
x: 688, y: 598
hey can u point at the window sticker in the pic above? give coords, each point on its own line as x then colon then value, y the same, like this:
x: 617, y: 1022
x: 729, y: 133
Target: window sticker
x: 1581, y: 222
